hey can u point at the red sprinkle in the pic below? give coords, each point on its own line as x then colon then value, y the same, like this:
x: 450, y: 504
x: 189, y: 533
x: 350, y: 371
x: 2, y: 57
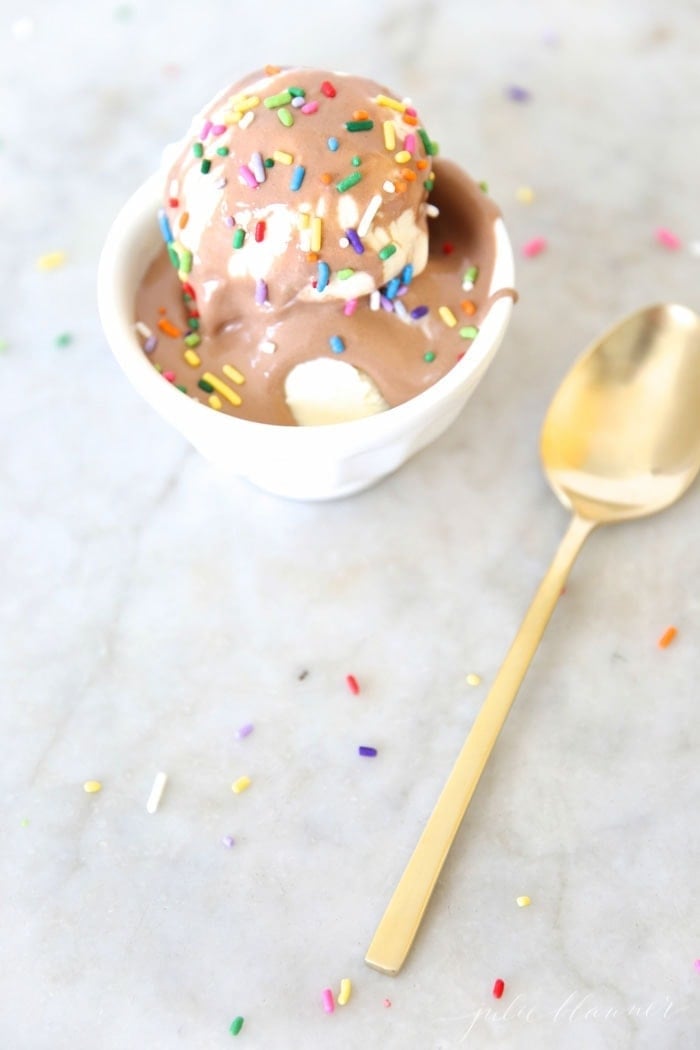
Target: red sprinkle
x: 170, y: 376
x: 188, y: 289
x: 448, y: 248
x: 352, y: 684
x: 328, y: 89
x: 259, y: 231
x: 498, y: 988
x: 534, y: 247
x: 173, y: 202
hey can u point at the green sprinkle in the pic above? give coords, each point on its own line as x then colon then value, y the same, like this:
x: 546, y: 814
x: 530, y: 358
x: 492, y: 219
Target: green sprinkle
x: 193, y: 322
x: 222, y: 151
x: 359, y: 125
x: 193, y: 339
x: 343, y: 275
x: 4, y: 345
x: 387, y: 251
x: 206, y: 387
x: 238, y: 238
x: 236, y: 1025
x: 297, y: 92
x: 24, y: 822
x: 348, y: 182
x: 181, y: 387
x: 64, y: 339
x: 470, y: 331
x: 205, y: 166
x: 185, y: 261
x: 198, y: 149
x: 356, y: 161
x: 430, y: 147
x: 174, y: 257
x: 275, y: 101
x: 484, y: 186
x: 269, y: 162
x: 429, y: 356
x: 429, y: 183
x: 285, y: 117
x: 472, y: 274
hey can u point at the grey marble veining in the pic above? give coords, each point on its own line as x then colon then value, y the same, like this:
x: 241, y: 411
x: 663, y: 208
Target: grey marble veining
x: 148, y: 609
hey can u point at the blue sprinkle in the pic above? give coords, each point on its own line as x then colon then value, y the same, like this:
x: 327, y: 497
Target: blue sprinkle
x: 333, y: 144
x: 392, y: 288
x: 324, y: 274
x: 368, y: 752
x: 407, y: 274
x: 337, y: 344
x: 297, y: 177
x: 165, y: 226
x: 420, y: 311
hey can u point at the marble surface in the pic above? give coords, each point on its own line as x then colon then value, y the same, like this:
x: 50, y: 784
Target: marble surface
x: 149, y: 609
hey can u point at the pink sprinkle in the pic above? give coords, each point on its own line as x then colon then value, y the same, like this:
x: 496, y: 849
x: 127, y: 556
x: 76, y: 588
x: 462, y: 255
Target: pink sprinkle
x: 352, y: 684
x: 350, y: 307
x: 696, y: 964
x: 534, y: 247
x: 248, y: 177
x: 218, y: 129
x: 170, y: 376
x: 387, y: 1002
x: 309, y: 107
x: 328, y: 1000
x: 410, y: 143
x: 205, y: 130
x: 411, y: 111
x: 668, y: 239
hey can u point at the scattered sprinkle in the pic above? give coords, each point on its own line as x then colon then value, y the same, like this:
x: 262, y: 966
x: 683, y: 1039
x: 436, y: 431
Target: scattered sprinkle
x: 244, y: 731
x: 348, y: 182
x: 51, y: 261
x: 156, y: 792
x: 328, y: 1000
x: 667, y: 238
x: 64, y: 339
x: 91, y: 787
x: 523, y: 902
x: 534, y: 247
x: 525, y: 195
x: 297, y: 177
x: 242, y: 784
x: 418, y: 312
x: 327, y: 89
x: 516, y: 93
x: 345, y: 991
x: 352, y: 683
x: 236, y: 1025
x: 696, y: 964
x: 4, y: 345
x: 323, y: 276
x: 359, y: 125
x: 282, y: 157
x: 469, y: 331
x: 386, y: 1003
x: 470, y: 277
x: 498, y: 988
x: 667, y: 637
x: 228, y: 841
x: 387, y: 251
x: 367, y: 752
x: 337, y: 344
x: 447, y: 316
x: 473, y: 679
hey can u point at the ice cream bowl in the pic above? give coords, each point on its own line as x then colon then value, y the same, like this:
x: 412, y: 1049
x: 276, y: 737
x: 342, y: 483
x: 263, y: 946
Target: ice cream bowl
x: 297, y: 462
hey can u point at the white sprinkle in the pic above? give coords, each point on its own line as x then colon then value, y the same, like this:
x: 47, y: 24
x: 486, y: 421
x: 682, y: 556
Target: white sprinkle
x: 694, y: 248
x: 375, y: 299
x: 268, y: 347
x: 298, y: 101
x: 467, y: 285
x: 143, y: 329
x: 343, y: 242
x: 370, y: 211
x: 220, y: 183
x: 389, y: 187
x: 257, y: 166
x: 432, y: 211
x: 247, y: 119
x: 156, y: 792
x: 401, y: 311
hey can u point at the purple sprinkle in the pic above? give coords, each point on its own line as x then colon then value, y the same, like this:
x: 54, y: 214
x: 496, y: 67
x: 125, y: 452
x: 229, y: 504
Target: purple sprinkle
x: 229, y: 220
x: 367, y: 752
x: 248, y: 177
x: 386, y: 304
x: 150, y: 344
x: 420, y: 311
x: 245, y: 730
x: 402, y: 291
x: 298, y: 101
x: 518, y: 94
x: 260, y: 292
x: 353, y: 237
x: 228, y: 841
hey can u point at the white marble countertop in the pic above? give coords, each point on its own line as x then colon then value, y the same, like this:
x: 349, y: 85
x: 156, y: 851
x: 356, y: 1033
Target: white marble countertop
x: 149, y: 610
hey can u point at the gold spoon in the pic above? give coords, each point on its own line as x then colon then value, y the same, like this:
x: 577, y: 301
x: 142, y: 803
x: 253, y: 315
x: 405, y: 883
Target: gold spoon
x: 621, y: 440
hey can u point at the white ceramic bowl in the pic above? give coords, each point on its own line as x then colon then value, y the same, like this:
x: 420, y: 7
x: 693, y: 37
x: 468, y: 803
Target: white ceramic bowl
x: 311, y: 463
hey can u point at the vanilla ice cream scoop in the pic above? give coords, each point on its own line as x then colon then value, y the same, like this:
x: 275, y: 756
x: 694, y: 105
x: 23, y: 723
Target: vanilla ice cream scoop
x: 297, y: 184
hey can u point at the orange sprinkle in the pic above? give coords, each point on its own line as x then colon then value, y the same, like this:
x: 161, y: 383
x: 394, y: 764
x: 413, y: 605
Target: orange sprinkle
x: 312, y: 257
x: 271, y: 70
x: 326, y: 178
x: 169, y: 328
x: 468, y: 306
x: 667, y: 637
x: 400, y: 186
x: 183, y: 220
x: 422, y: 164
x: 360, y: 114
x: 161, y: 309
x: 408, y: 175
x: 408, y: 119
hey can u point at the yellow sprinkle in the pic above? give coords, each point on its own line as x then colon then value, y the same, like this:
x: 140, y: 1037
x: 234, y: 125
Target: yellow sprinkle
x: 51, y: 261
x: 215, y: 402
x: 192, y: 358
x: 345, y: 989
x: 525, y: 195
x: 233, y: 374
x: 304, y: 220
x: 222, y: 388
x: 281, y: 157
x: 240, y: 785
x: 242, y: 105
x: 231, y: 118
x: 523, y: 902
x: 402, y: 157
x: 447, y: 316
x: 91, y: 787
x: 316, y: 227
x: 392, y: 103
x: 473, y: 679
x: 389, y: 134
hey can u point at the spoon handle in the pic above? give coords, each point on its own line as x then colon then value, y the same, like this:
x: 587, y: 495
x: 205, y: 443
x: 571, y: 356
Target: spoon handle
x: 394, y: 936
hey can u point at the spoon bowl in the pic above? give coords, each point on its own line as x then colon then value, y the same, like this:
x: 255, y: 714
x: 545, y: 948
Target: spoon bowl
x: 620, y: 440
